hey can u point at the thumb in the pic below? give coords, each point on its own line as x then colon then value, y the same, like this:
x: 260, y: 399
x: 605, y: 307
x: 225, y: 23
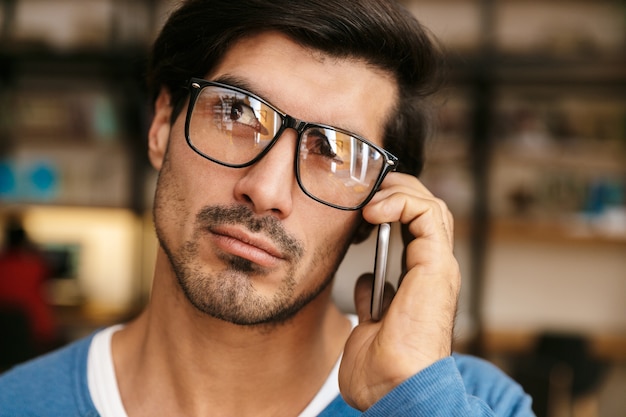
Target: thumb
x: 363, y: 296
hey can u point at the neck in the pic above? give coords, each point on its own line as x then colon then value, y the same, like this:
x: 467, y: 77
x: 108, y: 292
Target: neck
x: 198, y: 365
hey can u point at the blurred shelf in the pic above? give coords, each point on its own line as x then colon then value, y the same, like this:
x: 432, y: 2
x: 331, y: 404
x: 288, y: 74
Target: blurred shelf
x: 591, y: 160
x: 125, y: 62
x: 81, y: 113
x: 559, y: 232
x: 604, y: 345
x: 543, y: 69
x: 563, y: 232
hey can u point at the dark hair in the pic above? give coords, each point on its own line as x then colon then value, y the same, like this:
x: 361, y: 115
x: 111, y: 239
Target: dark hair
x: 198, y: 34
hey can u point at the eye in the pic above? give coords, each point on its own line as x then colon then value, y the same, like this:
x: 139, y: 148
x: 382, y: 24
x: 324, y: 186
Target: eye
x: 320, y: 145
x: 237, y: 111
x: 243, y: 114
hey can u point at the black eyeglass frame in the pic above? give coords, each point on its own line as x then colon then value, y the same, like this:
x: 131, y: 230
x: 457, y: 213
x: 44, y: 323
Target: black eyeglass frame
x: 196, y: 85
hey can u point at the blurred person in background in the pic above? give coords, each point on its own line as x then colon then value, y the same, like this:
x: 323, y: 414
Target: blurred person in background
x: 274, y: 132
x: 26, y: 318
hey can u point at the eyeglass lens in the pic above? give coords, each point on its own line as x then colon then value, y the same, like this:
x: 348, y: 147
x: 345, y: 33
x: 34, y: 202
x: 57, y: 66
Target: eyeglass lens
x: 233, y: 128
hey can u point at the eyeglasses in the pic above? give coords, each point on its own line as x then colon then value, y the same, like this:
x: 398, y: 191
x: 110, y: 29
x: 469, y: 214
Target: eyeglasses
x: 235, y: 128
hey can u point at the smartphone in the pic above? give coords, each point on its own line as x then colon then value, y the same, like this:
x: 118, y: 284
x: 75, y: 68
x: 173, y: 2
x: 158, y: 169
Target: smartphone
x: 380, y: 270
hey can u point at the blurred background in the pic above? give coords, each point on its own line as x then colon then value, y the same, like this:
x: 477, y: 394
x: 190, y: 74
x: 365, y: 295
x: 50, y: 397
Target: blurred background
x: 530, y: 155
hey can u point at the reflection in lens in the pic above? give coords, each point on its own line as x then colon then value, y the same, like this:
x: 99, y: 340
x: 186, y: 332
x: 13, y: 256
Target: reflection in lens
x: 234, y: 128
x: 344, y: 177
x: 230, y: 127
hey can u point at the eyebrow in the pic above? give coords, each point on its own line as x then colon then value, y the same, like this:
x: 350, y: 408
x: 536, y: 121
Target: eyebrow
x: 238, y: 82
x: 242, y: 83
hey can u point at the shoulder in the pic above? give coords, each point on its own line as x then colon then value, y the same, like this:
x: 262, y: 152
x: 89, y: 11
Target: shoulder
x: 51, y: 385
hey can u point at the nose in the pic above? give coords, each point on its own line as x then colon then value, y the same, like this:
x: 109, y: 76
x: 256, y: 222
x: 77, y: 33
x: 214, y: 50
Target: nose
x: 269, y: 185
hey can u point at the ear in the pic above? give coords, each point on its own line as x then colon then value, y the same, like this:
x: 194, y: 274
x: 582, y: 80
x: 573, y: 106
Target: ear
x: 159, y: 132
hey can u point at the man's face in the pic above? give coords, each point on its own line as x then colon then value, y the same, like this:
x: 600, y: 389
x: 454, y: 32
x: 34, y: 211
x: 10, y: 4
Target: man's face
x: 246, y: 244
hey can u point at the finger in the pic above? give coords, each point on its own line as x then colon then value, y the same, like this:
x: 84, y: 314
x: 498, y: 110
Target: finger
x: 426, y: 217
x: 403, y: 198
x: 396, y: 181
x: 440, y: 214
x: 363, y: 296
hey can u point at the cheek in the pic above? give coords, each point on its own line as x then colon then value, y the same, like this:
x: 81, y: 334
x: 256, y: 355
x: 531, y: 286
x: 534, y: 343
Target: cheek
x: 196, y: 180
x: 328, y: 240
x: 171, y: 209
x: 179, y: 190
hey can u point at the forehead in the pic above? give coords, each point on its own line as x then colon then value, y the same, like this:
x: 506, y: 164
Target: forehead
x: 310, y: 85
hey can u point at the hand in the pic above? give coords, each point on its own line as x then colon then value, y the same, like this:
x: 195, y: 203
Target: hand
x: 417, y: 326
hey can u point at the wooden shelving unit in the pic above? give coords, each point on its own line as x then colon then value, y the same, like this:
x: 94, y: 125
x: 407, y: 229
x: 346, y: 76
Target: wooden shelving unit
x: 62, y: 100
x: 534, y: 125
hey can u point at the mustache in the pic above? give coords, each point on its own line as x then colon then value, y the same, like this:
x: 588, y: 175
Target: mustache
x: 212, y: 216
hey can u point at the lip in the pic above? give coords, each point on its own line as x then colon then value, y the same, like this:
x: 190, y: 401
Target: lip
x: 254, y: 248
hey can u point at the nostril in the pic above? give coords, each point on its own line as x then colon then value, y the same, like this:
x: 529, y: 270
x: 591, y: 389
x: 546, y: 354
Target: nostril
x: 246, y: 198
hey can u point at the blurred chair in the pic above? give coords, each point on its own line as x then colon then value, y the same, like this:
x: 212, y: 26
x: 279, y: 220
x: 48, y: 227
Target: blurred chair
x: 558, y: 372
x: 16, y: 344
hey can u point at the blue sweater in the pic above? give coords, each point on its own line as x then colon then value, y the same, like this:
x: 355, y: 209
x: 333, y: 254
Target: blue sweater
x: 56, y: 385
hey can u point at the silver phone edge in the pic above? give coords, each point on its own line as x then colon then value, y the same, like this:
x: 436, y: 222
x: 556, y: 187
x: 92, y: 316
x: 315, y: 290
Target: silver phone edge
x: 380, y: 270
